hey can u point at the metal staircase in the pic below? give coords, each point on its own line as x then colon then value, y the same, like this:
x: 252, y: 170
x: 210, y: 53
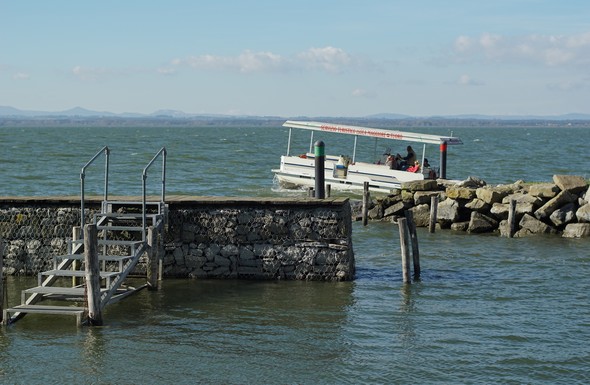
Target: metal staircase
x: 122, y: 227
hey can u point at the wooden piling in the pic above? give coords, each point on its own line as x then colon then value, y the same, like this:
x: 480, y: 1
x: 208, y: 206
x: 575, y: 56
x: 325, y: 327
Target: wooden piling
x: 512, y: 218
x: 414, y: 237
x: 1, y: 280
x: 76, y: 231
x: 366, y: 201
x: 404, y: 245
x: 433, y: 213
x: 153, y: 257
x: 92, y: 275
x: 328, y: 190
x: 310, y: 192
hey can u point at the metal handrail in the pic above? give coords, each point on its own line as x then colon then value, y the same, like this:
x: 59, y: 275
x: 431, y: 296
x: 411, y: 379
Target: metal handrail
x: 144, y: 178
x: 106, y: 151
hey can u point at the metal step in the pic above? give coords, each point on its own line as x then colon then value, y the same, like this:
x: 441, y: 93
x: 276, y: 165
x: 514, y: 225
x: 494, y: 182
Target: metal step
x: 45, y: 309
x: 108, y: 258
x: 58, y: 290
x: 110, y: 242
x: 78, y: 273
x: 119, y: 228
x: 107, y: 275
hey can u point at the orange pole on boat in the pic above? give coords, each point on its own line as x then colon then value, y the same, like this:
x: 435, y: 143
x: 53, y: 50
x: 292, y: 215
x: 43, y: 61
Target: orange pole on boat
x: 443, y: 160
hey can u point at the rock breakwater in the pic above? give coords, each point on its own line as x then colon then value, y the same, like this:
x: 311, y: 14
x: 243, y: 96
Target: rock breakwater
x: 559, y: 207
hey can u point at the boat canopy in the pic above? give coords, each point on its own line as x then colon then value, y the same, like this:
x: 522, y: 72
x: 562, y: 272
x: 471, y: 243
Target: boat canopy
x: 373, y: 132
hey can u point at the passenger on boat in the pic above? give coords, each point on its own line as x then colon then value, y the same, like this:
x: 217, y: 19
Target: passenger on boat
x: 414, y: 168
x: 410, y: 158
x: 428, y: 171
x: 391, y: 162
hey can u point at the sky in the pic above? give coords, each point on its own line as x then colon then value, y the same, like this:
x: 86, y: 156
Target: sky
x: 298, y: 57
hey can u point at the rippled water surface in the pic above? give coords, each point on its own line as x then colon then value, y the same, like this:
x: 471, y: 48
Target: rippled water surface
x: 487, y: 309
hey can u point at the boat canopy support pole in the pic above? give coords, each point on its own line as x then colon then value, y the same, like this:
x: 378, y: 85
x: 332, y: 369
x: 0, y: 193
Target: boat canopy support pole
x: 289, y: 142
x: 354, y: 149
x: 311, y: 150
x: 443, y: 160
x: 423, y: 155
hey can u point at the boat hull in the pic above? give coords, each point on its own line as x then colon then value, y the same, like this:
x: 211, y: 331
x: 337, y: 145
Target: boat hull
x: 297, y: 171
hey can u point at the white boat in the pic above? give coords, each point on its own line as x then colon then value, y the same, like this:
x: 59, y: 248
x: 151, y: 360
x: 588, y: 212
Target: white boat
x: 344, y: 172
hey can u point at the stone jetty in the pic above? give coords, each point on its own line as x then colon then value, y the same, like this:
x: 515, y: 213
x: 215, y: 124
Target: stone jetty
x: 560, y: 207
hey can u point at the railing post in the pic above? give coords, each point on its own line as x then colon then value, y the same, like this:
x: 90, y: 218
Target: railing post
x: 92, y: 275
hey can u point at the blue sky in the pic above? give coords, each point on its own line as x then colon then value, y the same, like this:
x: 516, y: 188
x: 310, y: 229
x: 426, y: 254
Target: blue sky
x: 292, y: 58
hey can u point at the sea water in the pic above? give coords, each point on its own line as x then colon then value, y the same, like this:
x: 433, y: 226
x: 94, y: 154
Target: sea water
x: 486, y: 310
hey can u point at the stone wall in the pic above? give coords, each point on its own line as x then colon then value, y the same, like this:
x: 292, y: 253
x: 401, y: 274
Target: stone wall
x: 302, y: 239
x: 560, y: 207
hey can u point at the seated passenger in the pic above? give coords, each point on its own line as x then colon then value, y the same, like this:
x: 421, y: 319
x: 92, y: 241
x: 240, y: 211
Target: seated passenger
x: 410, y: 158
x: 414, y: 168
x: 428, y: 171
x: 391, y: 162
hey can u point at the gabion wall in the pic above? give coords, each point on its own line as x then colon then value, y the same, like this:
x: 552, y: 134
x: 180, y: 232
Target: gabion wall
x: 217, y: 238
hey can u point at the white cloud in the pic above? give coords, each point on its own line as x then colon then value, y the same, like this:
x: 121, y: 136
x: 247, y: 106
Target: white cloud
x: 466, y: 80
x: 328, y: 59
x: 21, y: 76
x: 90, y: 73
x: 361, y: 93
x: 549, y: 50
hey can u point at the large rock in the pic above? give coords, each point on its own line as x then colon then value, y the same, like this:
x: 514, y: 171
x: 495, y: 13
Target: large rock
x: 420, y: 185
x: 480, y: 223
x: 572, y: 183
x: 563, y: 215
x: 421, y: 215
x: 535, y: 226
x: 577, y: 230
x: 448, y: 210
x: 501, y: 210
x: 478, y: 205
x: 548, y: 208
x: 583, y: 213
x: 395, y: 209
x: 424, y: 197
x: 523, y: 198
x: 472, y: 182
x: 490, y: 195
x: 544, y: 190
x: 465, y: 193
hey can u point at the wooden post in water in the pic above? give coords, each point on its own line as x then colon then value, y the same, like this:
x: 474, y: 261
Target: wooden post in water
x: 403, y: 241
x: 1, y: 280
x: 414, y: 237
x: 512, y: 218
x: 153, y: 254
x: 92, y: 275
x: 328, y: 190
x: 310, y: 192
x: 76, y: 231
x: 366, y: 200
x: 433, y: 213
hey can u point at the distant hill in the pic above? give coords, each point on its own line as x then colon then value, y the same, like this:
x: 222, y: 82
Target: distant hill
x: 13, y: 117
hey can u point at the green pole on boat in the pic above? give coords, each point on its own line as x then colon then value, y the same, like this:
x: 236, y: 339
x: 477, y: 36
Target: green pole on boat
x: 320, y: 159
